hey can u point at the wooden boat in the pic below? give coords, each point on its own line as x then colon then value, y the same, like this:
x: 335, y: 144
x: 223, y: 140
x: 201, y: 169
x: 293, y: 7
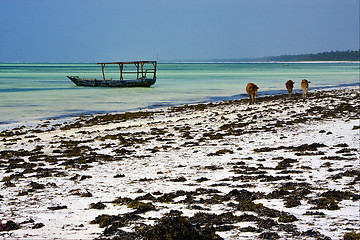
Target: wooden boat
x: 142, y: 77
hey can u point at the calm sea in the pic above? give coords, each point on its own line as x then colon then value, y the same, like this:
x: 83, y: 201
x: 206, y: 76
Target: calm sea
x: 30, y: 92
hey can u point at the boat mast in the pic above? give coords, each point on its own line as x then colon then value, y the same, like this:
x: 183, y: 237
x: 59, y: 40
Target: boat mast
x: 137, y: 71
x: 142, y: 70
x: 121, y: 66
x: 102, y: 67
x: 155, y: 64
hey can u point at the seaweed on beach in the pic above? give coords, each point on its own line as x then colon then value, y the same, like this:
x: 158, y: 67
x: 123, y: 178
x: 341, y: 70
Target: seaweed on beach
x: 355, y: 174
x: 107, y: 118
x: 9, y: 226
x: 230, y: 144
x: 171, y: 226
x: 304, y: 149
x: 286, y: 163
x: 209, y: 221
x: 200, y: 226
x: 340, y: 195
x: 221, y: 152
x: 351, y: 236
x: 177, y: 228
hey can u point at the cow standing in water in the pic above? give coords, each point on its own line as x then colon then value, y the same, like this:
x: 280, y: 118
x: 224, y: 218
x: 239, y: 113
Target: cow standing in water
x: 251, y: 89
x: 289, y: 86
x: 305, y: 87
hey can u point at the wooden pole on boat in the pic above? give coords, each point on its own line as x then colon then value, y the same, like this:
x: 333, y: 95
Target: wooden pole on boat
x: 102, y: 68
x: 155, y: 63
x: 121, y: 71
x: 137, y: 72
x: 142, y: 70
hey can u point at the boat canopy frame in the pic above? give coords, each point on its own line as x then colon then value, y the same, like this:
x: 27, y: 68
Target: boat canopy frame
x: 141, y: 73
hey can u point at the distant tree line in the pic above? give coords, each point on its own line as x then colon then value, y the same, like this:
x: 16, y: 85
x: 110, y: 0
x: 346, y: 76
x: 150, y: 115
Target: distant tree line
x: 350, y: 55
x: 323, y: 56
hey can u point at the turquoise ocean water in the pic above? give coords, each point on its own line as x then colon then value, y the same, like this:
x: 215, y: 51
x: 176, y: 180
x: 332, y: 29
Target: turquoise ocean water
x: 31, y: 92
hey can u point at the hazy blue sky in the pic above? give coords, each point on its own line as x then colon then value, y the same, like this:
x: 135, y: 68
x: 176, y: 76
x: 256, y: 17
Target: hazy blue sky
x: 110, y: 30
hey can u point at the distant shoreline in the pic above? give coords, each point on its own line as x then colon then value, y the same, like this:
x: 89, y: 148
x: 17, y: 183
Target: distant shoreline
x: 194, y: 62
x: 329, y: 56
x: 260, y: 62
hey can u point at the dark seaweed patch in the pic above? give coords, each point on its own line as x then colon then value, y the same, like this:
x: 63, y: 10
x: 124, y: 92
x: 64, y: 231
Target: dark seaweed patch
x: 291, y: 192
x: 202, y: 179
x: 292, y: 202
x: 214, y: 168
x: 60, y: 207
x: 351, y: 236
x: 178, y: 227
x: 98, y: 205
x: 309, y: 153
x: 346, y: 150
x: 269, y: 235
x: 308, y: 147
x: 9, y: 226
x: 348, y: 173
x: 38, y: 225
x: 242, y: 195
x: 316, y: 213
x: 325, y: 203
x: 171, y: 226
x: 202, y: 218
x: 311, y: 233
x: 286, y: 218
x: 249, y: 229
x: 179, y: 179
x: 340, y: 195
x: 247, y: 170
x: 286, y: 163
x: 305, y: 148
x: 141, y: 207
x: 36, y: 186
x: 118, y: 221
x: 221, y: 152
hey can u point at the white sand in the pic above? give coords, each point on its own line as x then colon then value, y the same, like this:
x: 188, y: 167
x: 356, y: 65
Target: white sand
x: 191, y: 161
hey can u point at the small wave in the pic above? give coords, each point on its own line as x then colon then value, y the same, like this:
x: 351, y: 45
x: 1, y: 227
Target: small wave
x: 5, y: 90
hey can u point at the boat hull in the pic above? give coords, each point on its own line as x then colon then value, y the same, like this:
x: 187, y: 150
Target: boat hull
x: 112, y: 83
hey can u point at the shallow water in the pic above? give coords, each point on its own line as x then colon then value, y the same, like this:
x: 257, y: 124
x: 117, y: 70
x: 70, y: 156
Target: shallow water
x: 40, y: 91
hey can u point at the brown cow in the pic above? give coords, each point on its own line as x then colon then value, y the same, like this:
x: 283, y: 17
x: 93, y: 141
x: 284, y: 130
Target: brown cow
x: 289, y: 86
x: 251, y: 89
x: 305, y: 87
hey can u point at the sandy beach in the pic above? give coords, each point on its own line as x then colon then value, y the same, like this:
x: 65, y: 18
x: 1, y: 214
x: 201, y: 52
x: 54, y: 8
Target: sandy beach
x: 280, y: 169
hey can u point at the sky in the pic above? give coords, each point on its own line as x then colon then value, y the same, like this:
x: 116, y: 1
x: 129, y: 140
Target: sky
x: 124, y: 30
